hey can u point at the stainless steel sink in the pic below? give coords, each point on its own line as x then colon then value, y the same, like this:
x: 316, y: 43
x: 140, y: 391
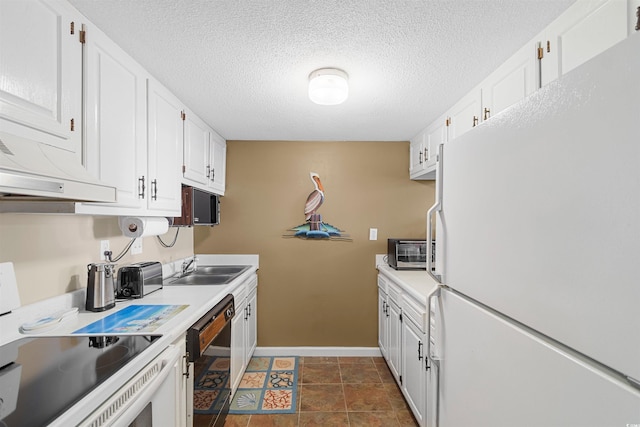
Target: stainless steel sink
x: 221, y: 269
x: 210, y: 275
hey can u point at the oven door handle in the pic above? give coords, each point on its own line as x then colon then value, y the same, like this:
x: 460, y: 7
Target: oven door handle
x: 113, y: 410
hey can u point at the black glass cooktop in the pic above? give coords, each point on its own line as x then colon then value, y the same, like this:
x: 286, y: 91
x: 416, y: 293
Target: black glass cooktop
x: 41, y: 378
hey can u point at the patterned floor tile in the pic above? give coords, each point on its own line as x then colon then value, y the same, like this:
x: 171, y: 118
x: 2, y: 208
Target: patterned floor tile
x: 366, y: 397
x: 322, y: 397
x: 373, y: 419
x: 320, y: 373
x: 275, y: 420
x: 323, y: 419
x: 359, y: 373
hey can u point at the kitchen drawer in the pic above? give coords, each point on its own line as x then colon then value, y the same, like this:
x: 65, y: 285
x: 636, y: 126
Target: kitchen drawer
x: 415, y: 311
x: 394, y: 291
x: 382, y: 284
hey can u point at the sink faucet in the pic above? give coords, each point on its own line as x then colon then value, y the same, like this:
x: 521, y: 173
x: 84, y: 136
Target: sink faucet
x: 186, y: 265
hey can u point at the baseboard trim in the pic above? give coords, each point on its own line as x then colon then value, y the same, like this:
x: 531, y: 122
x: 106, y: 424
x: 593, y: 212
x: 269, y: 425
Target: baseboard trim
x: 319, y: 351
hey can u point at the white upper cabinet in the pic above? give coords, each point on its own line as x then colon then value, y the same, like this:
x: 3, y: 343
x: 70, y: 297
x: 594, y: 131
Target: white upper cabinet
x: 218, y: 160
x: 424, y: 149
x: 133, y: 135
x: 41, y: 70
x: 204, y: 156
x: 583, y: 31
x: 465, y: 114
x: 511, y: 82
x: 197, y: 136
x: 165, y: 127
x: 115, y: 118
x: 417, y: 152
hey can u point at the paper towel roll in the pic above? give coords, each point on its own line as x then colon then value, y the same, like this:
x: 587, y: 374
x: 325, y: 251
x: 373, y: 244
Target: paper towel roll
x: 135, y: 226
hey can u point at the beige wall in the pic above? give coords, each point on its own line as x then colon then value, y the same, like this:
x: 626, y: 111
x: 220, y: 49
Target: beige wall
x: 51, y: 252
x: 316, y: 293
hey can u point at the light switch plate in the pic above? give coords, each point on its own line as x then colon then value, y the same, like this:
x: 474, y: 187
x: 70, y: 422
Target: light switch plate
x: 9, y: 297
x: 136, y: 248
x: 373, y: 234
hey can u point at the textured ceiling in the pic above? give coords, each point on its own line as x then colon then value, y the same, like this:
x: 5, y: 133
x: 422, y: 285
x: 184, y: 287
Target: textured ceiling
x: 243, y: 65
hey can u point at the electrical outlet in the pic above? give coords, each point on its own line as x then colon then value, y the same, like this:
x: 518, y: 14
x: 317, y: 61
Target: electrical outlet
x: 373, y: 234
x: 104, y: 246
x: 136, y: 248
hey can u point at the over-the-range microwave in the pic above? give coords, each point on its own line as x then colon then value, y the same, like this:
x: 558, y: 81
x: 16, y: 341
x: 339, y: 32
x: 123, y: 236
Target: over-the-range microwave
x: 199, y: 207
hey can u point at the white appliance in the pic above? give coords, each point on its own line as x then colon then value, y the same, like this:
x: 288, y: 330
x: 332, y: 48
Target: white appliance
x: 538, y: 210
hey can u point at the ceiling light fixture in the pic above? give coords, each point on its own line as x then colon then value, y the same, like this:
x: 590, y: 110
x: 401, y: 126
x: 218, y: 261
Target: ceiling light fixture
x: 328, y: 86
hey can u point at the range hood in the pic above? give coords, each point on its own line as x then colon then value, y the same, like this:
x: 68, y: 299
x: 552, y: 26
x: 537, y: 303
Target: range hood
x: 34, y: 171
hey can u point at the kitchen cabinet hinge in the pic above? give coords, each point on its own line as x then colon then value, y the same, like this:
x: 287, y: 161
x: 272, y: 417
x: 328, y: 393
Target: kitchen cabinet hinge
x: 72, y: 28
x: 83, y: 36
x: 540, y: 53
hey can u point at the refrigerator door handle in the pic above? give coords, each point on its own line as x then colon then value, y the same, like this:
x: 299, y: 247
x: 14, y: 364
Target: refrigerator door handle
x: 437, y: 207
x: 434, y: 293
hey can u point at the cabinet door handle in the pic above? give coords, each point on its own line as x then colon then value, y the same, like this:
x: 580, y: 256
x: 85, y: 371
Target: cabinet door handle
x: 475, y: 121
x: 419, y: 350
x: 384, y: 307
x: 154, y: 186
x: 420, y: 157
x: 487, y: 113
x: 141, y: 187
x: 249, y: 309
x: 426, y: 153
x: 185, y: 372
x: 208, y: 171
x: 213, y: 174
x: 246, y: 314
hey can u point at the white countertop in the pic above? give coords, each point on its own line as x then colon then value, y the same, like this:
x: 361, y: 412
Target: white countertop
x: 416, y: 283
x: 199, y: 298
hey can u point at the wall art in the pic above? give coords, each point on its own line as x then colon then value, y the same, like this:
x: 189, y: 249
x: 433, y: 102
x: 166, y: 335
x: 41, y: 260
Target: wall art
x: 314, y: 227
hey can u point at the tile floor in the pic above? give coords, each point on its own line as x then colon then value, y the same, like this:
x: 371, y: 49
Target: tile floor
x: 340, y: 391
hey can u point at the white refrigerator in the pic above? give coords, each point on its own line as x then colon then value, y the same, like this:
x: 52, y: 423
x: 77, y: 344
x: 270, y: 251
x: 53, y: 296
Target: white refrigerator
x: 538, y: 212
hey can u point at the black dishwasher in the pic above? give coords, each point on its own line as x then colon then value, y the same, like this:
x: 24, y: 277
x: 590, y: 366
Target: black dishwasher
x: 209, y: 353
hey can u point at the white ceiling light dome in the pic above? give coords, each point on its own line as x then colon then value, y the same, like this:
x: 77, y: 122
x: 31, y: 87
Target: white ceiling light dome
x: 328, y: 86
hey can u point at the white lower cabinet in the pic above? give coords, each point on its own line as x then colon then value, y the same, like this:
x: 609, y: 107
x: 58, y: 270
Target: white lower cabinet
x: 252, y: 319
x: 395, y: 339
x: 184, y: 385
x: 243, y: 329
x: 401, y: 337
x: 413, y: 360
x: 383, y: 318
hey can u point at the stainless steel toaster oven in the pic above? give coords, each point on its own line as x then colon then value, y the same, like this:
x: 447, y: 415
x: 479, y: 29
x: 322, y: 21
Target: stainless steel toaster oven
x: 407, y: 254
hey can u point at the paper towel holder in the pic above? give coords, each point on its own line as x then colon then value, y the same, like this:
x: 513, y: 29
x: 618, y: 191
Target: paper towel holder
x: 134, y: 226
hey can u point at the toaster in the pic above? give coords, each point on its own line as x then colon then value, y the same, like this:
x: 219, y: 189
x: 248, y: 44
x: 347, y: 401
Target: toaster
x: 138, y: 280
